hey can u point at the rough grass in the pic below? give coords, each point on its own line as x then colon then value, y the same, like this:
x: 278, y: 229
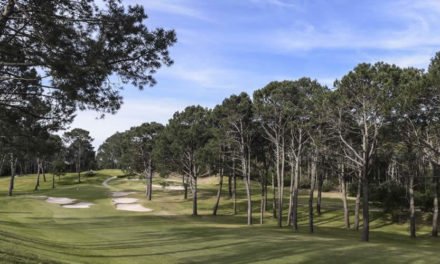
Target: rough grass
x: 33, y: 231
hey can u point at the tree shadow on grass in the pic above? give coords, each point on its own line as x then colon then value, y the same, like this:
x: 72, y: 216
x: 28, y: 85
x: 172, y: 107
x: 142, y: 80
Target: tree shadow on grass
x: 199, y: 240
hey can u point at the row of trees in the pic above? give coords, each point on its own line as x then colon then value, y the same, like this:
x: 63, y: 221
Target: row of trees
x: 131, y: 151
x: 377, y: 131
x: 47, y: 152
x: 57, y: 57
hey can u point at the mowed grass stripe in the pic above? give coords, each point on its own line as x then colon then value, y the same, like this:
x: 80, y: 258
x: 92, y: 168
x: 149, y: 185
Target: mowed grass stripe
x: 33, y: 231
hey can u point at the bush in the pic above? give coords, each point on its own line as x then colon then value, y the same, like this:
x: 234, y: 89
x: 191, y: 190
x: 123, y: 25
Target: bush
x: 424, y: 200
x: 352, y: 189
x: 304, y: 183
x: 390, y: 196
x: 330, y: 185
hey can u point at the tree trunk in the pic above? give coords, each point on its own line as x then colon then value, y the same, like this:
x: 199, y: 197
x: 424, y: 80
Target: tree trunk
x: 248, y: 188
x: 289, y: 213
x: 78, y: 164
x: 234, y: 187
x: 234, y: 191
x: 274, y: 202
x: 365, y: 209
x: 249, y: 203
x: 436, y: 174
x: 229, y: 186
x: 2, y: 163
x: 312, y: 189
x: 13, y: 166
x: 318, y: 200
x: 265, y: 191
x: 357, y: 205
x: 53, y: 180
x: 263, y: 198
x: 343, y: 187
x: 411, y: 206
x: 219, y: 192
x: 149, y: 180
x: 295, y: 196
x: 37, y: 184
x: 78, y: 169
x: 280, y: 180
x: 185, y: 186
x: 43, y: 171
x: 195, y: 195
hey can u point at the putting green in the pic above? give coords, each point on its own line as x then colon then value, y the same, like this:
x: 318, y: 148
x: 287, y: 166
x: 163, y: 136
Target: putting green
x: 34, y: 231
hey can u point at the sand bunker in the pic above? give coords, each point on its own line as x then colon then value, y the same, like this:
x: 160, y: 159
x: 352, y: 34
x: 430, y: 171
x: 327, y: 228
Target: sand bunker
x: 77, y: 205
x: 124, y: 200
x: 120, y: 194
x: 60, y: 200
x: 172, y: 187
x: 133, y: 207
x: 177, y: 188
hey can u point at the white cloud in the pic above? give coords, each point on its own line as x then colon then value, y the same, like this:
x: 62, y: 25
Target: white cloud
x: 173, y: 7
x: 279, y: 3
x: 418, y: 60
x: 419, y: 21
x: 207, y: 77
x: 133, y: 113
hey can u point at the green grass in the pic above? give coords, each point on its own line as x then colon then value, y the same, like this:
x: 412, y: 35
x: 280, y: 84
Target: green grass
x: 33, y: 231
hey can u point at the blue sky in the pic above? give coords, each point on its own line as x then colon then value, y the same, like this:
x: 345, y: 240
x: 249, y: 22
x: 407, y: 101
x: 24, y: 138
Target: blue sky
x: 229, y: 46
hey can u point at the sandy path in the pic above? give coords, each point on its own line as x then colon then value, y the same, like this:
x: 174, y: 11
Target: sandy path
x: 105, y: 183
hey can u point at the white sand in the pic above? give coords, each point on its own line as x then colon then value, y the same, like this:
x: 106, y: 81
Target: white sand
x: 171, y: 188
x: 176, y: 188
x: 60, y: 200
x: 133, y: 207
x: 124, y: 200
x: 78, y: 205
x: 120, y: 194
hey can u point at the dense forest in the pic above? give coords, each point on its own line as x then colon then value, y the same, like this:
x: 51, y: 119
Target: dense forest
x: 374, y: 136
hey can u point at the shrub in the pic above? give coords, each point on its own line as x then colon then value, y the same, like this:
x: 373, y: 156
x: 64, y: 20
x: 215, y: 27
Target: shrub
x: 330, y: 185
x: 390, y: 196
x: 424, y: 200
x: 304, y: 183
